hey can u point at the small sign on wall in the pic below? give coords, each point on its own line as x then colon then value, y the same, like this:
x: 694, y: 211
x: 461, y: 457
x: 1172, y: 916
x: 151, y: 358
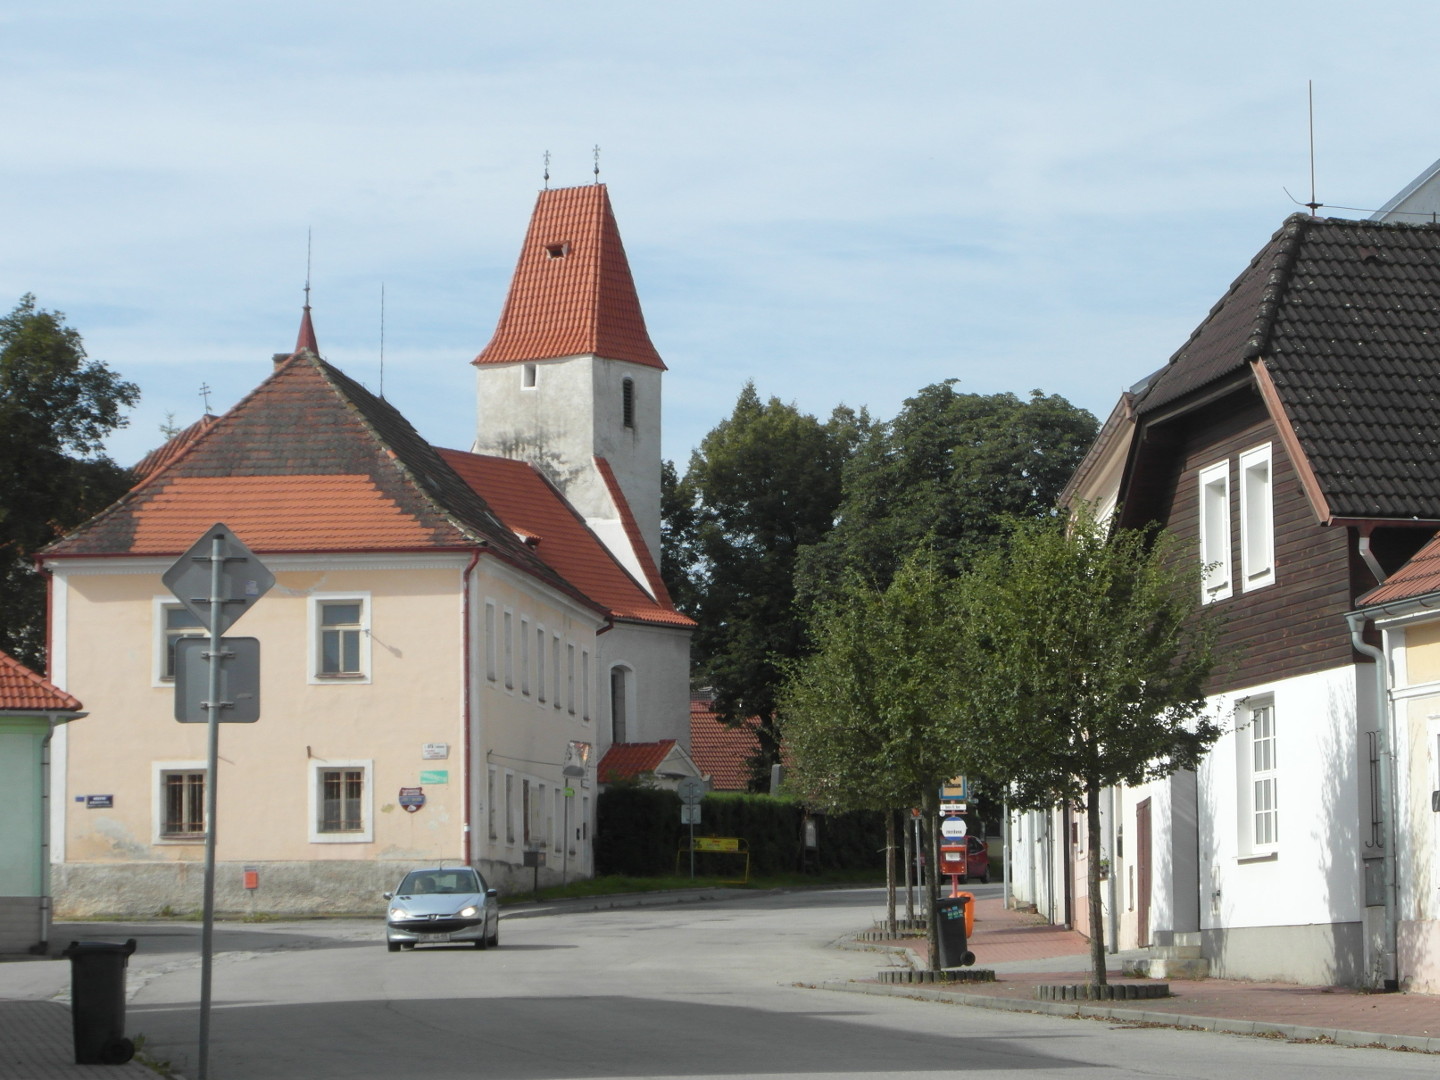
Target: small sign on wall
x: 97, y: 802
x: 411, y: 799
x: 435, y: 776
x: 435, y: 751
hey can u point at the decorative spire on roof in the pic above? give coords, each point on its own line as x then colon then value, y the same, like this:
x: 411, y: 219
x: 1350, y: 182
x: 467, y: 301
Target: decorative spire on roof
x: 305, y: 342
x: 572, y: 293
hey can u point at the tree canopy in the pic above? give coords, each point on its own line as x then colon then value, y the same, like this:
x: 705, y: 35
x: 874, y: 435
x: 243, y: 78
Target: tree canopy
x: 1085, y: 661
x: 56, y: 408
x: 761, y: 486
x: 946, y: 472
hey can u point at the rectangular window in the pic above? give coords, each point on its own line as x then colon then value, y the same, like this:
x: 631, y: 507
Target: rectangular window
x: 1257, y: 753
x: 509, y: 808
x: 340, y: 637
x: 172, y: 622
x: 490, y: 654
x: 1215, y: 531
x: 526, y: 812
x: 1257, y: 524
x: 525, y: 656
x: 584, y: 684
x: 557, y: 832
x: 570, y: 679
x: 182, y: 802
x: 555, y: 669
x: 540, y: 663
x: 341, y: 792
x: 490, y: 805
x: 509, y: 654
x: 340, y: 802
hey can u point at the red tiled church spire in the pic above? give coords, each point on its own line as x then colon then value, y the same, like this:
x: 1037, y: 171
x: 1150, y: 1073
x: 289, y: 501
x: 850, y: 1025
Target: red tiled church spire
x: 572, y: 293
x: 306, y: 339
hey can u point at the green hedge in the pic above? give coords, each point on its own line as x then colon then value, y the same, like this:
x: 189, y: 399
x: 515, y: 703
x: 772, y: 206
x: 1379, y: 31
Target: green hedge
x: 638, y: 833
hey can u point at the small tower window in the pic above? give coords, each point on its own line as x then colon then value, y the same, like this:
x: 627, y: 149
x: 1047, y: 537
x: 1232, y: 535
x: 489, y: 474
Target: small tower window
x: 557, y: 251
x: 627, y: 402
x: 527, y: 376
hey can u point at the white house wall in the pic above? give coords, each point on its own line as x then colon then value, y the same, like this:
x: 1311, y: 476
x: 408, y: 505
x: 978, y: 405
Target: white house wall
x: 1296, y: 914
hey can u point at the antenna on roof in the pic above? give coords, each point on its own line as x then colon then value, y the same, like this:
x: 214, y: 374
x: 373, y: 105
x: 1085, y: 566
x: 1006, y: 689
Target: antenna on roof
x: 382, y: 339
x: 1312, y: 204
x: 597, y: 163
x: 547, y: 170
x: 205, y: 393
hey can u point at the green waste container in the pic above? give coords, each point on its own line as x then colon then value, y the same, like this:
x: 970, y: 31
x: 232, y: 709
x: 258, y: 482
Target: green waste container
x: 950, y: 920
x: 97, y: 1001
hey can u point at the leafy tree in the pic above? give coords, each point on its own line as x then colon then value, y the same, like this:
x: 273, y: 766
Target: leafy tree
x: 945, y: 473
x: 872, y: 718
x: 56, y: 408
x: 1084, y: 666
x: 761, y: 486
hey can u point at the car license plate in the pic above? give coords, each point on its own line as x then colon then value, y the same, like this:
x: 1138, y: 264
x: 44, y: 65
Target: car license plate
x: 434, y: 937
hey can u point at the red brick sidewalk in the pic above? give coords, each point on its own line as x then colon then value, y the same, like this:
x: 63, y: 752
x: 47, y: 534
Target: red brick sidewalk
x: 1002, y: 935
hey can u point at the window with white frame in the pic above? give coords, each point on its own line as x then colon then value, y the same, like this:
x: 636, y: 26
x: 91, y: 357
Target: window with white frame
x: 585, y: 684
x: 1257, y: 520
x: 341, y: 800
x: 540, y: 664
x: 340, y: 637
x: 173, y: 622
x: 491, y: 671
x: 555, y: 669
x: 525, y: 656
x: 1258, y: 784
x: 509, y: 653
x: 510, y: 808
x: 180, y: 802
x: 1215, y: 531
x: 570, y: 679
x: 527, y: 812
x: 619, y: 704
x: 490, y: 804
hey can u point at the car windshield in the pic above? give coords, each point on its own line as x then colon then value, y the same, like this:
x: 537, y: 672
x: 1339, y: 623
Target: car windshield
x: 423, y: 882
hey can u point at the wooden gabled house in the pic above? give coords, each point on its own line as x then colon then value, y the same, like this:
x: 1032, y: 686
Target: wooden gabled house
x: 1295, y: 440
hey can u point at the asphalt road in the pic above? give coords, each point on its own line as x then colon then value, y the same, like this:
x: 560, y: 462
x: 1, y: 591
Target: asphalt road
x: 695, y: 991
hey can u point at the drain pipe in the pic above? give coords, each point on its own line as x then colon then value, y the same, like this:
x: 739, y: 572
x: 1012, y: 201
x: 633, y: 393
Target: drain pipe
x: 1390, y: 972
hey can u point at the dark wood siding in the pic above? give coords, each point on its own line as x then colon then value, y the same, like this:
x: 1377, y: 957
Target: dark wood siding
x: 1296, y: 625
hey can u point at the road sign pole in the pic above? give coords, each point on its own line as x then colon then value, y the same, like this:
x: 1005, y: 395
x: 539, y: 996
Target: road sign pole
x: 212, y: 721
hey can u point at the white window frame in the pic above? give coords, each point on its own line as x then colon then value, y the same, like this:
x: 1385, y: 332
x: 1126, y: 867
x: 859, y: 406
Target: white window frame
x: 316, y: 604
x: 366, y: 833
x: 509, y: 808
x: 570, y: 679
x: 160, y: 674
x: 540, y: 665
x: 621, y: 726
x: 1257, y: 775
x: 159, y: 770
x: 525, y: 656
x: 490, y: 804
x: 1257, y: 518
x: 555, y: 643
x: 585, y: 685
x: 509, y: 650
x: 491, y: 670
x: 1213, y: 497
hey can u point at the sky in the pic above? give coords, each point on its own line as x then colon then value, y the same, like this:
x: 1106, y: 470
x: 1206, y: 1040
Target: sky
x: 842, y: 202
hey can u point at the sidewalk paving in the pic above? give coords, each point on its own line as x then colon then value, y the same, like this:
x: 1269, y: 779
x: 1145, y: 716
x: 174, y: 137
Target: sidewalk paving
x: 1026, y: 952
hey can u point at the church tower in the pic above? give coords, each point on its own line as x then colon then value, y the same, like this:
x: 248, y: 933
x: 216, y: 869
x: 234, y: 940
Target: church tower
x: 571, y: 382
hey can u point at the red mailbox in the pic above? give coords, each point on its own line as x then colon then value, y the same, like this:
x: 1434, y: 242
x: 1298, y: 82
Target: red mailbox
x: 953, y: 863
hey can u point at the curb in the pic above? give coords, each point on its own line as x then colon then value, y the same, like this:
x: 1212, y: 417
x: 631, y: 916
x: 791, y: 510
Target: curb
x: 1259, y: 1028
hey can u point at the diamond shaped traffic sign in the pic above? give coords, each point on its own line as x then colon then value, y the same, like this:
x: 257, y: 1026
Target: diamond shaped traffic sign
x: 243, y: 579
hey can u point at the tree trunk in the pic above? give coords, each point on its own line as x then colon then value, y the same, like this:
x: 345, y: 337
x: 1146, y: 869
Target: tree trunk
x: 1092, y: 876
x: 930, y: 819
x: 890, y: 872
x: 907, y: 849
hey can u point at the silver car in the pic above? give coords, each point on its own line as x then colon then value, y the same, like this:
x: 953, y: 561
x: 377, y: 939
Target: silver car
x: 446, y: 904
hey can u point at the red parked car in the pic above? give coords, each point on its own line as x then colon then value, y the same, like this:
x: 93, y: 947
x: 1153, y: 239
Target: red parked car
x: 977, y: 860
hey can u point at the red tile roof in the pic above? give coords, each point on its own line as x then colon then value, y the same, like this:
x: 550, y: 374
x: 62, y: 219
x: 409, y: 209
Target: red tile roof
x: 572, y: 293
x: 529, y: 505
x: 23, y: 691
x: 178, y: 443
x: 632, y: 533
x: 626, y: 761
x: 720, y: 751
x: 310, y: 461
x: 1418, y: 577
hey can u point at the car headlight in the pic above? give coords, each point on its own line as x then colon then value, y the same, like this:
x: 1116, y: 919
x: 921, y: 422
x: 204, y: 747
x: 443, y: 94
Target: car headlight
x: 397, y: 913
x: 469, y: 912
